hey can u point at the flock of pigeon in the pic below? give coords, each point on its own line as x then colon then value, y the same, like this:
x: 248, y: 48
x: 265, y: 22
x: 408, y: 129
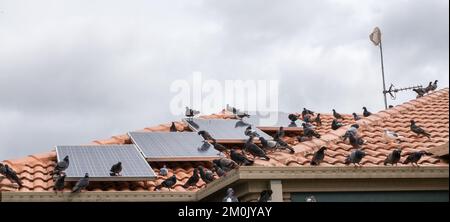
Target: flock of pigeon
x: 223, y: 165
x: 422, y: 91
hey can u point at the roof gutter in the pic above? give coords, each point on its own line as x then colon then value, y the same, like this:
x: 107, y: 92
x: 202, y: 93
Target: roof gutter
x: 243, y: 173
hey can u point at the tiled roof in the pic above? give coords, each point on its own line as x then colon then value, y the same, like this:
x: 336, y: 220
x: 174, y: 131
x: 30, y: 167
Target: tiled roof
x: 431, y: 112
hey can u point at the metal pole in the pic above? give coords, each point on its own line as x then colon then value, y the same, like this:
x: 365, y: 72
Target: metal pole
x: 382, y: 72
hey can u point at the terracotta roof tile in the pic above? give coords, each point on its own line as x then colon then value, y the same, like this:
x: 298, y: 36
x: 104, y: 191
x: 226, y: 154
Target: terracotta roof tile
x: 34, y: 170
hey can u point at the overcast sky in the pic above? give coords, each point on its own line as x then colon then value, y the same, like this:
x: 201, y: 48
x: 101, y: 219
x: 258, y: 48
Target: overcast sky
x: 75, y: 71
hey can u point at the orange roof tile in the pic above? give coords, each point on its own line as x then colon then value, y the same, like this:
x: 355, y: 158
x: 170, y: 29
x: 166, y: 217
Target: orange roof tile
x: 431, y: 112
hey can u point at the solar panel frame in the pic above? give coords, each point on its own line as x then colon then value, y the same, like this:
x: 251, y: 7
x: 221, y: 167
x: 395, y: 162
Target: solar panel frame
x: 97, y: 160
x: 223, y: 130
x: 172, y: 146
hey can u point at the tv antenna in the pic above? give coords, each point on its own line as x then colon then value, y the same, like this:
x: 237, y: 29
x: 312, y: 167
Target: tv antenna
x: 393, y: 91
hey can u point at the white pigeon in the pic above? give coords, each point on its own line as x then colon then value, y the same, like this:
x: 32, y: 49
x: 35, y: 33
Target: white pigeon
x: 392, y: 136
x: 163, y: 171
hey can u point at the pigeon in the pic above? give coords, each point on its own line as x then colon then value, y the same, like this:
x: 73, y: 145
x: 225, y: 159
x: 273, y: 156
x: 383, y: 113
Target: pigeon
x: 434, y: 86
x: 280, y: 144
x: 337, y: 115
x: 355, y: 157
x: 292, y: 117
x: 192, y: 181
x: 81, y: 184
x: 355, y: 141
x: 240, y: 115
x: 226, y: 164
x: 206, y: 175
x: 352, y: 131
x: 9, y: 173
x: 393, y: 157
x: 307, y: 118
x: 280, y: 133
x: 254, y: 149
x: 356, y: 117
x: 419, y: 131
x: 61, y: 165
x: 317, y: 120
x: 429, y: 87
x: 204, y: 147
x: 116, y: 169
x: 307, y: 112
x: 250, y: 132
x: 173, y: 128
x: 167, y: 183
x: 336, y: 124
x: 267, y: 144
x: 240, y: 158
x: 219, y: 147
x: 309, y: 132
x: 190, y: 113
x: 413, y: 158
x: 391, y: 135
x: 265, y: 196
x: 206, y: 135
x: 230, y: 196
x: 163, y: 171
x: 366, y: 113
x: 59, y: 183
x: 241, y: 123
x: 318, y: 156
x: 420, y: 92
x: 220, y: 172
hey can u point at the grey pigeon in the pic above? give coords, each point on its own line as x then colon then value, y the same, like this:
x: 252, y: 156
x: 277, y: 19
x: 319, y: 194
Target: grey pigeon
x: 192, y: 181
x: 239, y: 158
x: 226, y: 164
x: 9, y: 173
x: 250, y: 132
x: 292, y: 117
x: 59, y: 183
x: 254, y: 149
x: 366, y: 113
x: 241, y: 123
x: 219, y: 147
x: 355, y: 141
x: 220, y: 172
x: 309, y: 132
x: 356, y: 117
x: 280, y: 144
x: 420, y: 92
x: 230, y: 196
x: 414, y: 158
x: 318, y: 156
x: 317, y: 120
x: 190, y: 113
x: 163, y: 171
x: 335, y: 124
x: 419, y: 131
x: 434, y: 87
x: 337, y: 115
x: 173, y: 128
x: 206, y: 136
x: 61, y: 165
x: 204, y: 147
x: 393, y: 157
x: 206, y: 175
x: 280, y: 133
x: 307, y: 111
x: 429, y: 87
x: 167, y: 183
x: 265, y: 196
x: 355, y: 157
x: 239, y: 114
x: 81, y: 184
x: 352, y: 131
x: 267, y: 144
x: 116, y: 169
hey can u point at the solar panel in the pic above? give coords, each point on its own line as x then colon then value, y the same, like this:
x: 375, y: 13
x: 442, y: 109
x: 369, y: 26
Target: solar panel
x: 96, y: 160
x: 223, y: 130
x: 179, y: 146
x: 272, y: 121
